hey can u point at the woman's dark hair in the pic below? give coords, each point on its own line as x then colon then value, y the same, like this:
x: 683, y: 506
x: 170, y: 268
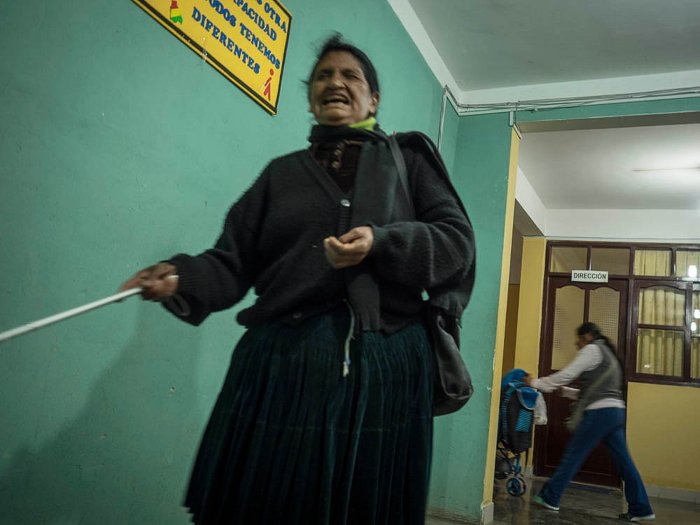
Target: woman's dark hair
x: 592, y: 328
x: 336, y: 43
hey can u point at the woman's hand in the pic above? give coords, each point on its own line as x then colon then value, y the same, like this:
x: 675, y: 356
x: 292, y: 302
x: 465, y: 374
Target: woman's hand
x: 569, y: 393
x: 158, y: 281
x: 527, y: 379
x: 350, y: 249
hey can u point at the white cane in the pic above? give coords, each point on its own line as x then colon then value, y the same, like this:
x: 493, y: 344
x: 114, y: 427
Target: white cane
x: 46, y: 321
x: 29, y: 327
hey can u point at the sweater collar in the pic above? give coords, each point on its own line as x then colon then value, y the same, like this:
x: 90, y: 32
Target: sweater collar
x: 368, y: 124
x: 320, y: 133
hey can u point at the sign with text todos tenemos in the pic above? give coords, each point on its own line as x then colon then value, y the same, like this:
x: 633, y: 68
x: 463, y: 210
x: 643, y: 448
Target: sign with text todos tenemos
x: 589, y: 276
x: 246, y: 41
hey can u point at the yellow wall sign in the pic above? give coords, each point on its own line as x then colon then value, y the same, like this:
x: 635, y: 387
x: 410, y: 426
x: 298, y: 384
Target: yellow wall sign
x: 246, y: 41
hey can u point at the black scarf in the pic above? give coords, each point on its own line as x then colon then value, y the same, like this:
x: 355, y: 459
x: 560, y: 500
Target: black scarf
x: 381, y: 197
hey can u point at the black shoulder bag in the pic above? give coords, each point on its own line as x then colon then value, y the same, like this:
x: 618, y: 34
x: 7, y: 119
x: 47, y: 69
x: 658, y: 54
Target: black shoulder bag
x: 452, y: 384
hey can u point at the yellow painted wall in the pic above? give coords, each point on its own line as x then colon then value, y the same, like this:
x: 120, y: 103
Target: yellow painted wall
x: 527, y: 345
x: 530, y: 296
x: 511, y: 328
x: 663, y: 429
x: 501, y: 321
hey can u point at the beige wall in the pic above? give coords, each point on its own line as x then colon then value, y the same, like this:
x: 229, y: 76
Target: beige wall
x: 663, y: 429
x: 527, y: 346
x: 511, y: 328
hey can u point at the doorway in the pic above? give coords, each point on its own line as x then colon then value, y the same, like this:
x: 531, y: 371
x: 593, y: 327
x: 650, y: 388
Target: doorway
x: 568, y: 305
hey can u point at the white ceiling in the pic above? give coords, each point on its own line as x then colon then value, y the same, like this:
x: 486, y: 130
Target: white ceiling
x: 487, y: 44
x: 602, y: 168
x: 512, y: 50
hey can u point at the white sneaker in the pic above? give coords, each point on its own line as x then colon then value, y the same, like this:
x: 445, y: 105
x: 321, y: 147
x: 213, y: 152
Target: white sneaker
x: 628, y: 517
x: 539, y: 500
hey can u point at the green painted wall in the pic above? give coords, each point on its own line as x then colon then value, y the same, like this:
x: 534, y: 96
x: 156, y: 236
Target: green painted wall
x: 119, y: 147
x: 450, y: 136
x: 481, y: 176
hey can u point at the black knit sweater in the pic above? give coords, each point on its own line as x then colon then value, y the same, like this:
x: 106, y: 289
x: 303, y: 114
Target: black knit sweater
x: 272, y: 240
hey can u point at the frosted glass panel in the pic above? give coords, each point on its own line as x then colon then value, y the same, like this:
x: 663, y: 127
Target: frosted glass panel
x: 615, y: 261
x: 568, y: 316
x: 604, y: 310
x: 566, y: 259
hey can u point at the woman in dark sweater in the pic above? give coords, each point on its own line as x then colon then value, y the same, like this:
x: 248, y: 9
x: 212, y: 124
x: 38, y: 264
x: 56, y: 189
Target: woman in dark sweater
x: 325, y: 415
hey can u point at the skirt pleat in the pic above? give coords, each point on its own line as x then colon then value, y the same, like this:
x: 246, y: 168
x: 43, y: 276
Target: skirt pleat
x: 290, y: 440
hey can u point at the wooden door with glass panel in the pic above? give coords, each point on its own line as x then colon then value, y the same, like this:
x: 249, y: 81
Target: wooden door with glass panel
x: 568, y: 305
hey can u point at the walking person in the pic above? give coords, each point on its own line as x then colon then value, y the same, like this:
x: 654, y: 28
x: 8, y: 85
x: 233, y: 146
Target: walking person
x: 599, y: 415
x: 325, y: 415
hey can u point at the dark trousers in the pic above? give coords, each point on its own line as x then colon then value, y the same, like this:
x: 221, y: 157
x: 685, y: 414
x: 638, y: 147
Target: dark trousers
x: 606, y: 425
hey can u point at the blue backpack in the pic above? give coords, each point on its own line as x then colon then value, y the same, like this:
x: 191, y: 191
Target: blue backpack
x: 517, y: 412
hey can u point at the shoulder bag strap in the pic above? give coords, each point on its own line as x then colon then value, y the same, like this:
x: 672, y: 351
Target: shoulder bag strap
x: 401, y: 169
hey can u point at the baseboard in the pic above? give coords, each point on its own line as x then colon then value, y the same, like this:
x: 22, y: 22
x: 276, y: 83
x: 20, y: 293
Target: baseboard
x: 447, y: 515
x: 655, y: 491
x: 442, y: 514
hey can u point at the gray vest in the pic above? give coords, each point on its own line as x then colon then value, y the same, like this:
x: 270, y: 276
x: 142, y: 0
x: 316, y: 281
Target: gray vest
x: 610, y: 387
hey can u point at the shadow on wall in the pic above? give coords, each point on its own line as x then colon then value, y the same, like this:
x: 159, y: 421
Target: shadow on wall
x: 126, y: 457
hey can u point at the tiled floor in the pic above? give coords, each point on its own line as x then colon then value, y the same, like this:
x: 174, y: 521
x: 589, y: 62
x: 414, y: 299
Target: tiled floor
x: 583, y: 506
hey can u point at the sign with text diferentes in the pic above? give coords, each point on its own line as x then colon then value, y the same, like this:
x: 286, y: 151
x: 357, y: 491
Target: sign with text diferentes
x: 246, y: 41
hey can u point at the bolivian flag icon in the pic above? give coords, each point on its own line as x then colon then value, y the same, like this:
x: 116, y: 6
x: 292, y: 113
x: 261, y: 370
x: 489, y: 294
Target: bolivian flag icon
x: 175, y: 14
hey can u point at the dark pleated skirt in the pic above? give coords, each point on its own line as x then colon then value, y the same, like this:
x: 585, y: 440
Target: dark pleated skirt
x: 291, y: 441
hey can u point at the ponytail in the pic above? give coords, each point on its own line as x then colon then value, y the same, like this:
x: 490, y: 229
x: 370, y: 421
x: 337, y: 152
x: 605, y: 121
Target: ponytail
x: 592, y: 328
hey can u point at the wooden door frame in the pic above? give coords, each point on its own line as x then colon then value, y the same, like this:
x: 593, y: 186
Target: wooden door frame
x: 553, y: 283
x: 619, y: 284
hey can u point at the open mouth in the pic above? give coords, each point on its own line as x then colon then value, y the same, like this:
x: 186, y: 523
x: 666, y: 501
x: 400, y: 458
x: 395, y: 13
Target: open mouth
x: 335, y: 99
